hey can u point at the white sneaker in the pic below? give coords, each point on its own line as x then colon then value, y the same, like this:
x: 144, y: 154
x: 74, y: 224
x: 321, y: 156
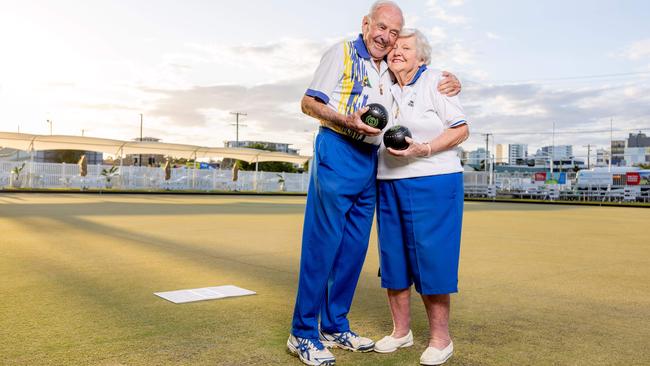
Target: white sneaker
x: 434, y: 356
x: 347, y: 340
x: 390, y: 344
x: 310, y: 351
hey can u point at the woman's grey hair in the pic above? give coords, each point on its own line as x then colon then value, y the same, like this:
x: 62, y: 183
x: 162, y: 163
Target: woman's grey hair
x: 422, y: 45
x: 381, y: 3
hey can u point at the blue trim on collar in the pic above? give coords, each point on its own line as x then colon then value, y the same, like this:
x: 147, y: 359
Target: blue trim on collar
x: 421, y: 69
x: 361, y: 48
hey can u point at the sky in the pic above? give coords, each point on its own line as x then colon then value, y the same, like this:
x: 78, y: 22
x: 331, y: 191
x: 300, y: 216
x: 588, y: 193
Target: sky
x: 185, y: 66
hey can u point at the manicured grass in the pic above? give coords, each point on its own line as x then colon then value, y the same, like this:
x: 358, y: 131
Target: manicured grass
x: 540, y: 284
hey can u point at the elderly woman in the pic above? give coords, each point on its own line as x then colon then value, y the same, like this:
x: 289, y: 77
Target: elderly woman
x: 420, y: 200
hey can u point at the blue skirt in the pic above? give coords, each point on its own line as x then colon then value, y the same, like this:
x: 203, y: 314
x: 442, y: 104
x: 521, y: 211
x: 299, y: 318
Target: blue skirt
x: 419, y: 223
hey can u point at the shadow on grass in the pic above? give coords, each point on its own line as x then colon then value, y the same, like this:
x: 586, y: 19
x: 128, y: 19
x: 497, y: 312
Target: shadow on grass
x: 127, y: 297
x: 152, y: 209
x: 129, y: 315
x: 140, y: 317
x: 209, y: 257
x: 100, y: 318
x: 10, y: 198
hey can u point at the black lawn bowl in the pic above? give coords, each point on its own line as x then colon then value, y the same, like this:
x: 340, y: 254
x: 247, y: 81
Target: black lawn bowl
x: 395, y: 137
x: 376, y: 116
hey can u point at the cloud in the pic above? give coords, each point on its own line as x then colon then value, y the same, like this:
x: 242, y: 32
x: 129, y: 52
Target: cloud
x: 440, y: 12
x: 450, y: 52
x: 188, y: 92
x: 105, y: 106
x: 60, y: 84
x: 289, y: 57
x: 273, y: 109
x: 411, y: 20
x: 637, y: 50
x: 517, y: 113
x: 437, y: 36
x: 524, y: 113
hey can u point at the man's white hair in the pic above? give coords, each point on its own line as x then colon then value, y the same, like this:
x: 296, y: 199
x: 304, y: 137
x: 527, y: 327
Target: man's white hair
x: 422, y: 45
x: 380, y: 4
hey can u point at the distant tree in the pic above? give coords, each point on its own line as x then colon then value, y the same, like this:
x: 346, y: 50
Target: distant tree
x: 67, y: 156
x: 179, y: 161
x: 644, y: 166
x: 267, y: 166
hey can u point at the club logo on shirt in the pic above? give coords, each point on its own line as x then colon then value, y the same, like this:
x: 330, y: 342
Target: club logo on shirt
x: 411, y: 103
x: 366, y: 82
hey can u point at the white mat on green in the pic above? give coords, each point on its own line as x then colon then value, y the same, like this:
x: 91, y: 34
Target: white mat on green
x: 204, y: 293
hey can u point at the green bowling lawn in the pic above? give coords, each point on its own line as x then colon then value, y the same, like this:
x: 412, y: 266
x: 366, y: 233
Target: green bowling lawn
x: 540, y: 284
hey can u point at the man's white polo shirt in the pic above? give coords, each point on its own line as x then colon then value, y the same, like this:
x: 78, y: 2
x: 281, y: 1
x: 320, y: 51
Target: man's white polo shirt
x: 347, y: 79
x: 427, y: 113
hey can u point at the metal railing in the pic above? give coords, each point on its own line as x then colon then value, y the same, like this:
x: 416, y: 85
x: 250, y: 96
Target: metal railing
x: 476, y: 184
x: 53, y: 175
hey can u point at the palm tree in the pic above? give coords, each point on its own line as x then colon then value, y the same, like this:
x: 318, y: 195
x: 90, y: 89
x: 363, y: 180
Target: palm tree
x: 15, y: 176
x: 108, y: 174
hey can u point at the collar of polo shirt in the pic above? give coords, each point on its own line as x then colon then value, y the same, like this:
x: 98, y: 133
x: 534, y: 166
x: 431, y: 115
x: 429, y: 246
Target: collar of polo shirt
x: 361, y: 48
x: 421, y: 69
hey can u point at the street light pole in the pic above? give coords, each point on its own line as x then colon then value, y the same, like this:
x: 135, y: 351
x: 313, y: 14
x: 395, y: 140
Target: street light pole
x: 237, y: 114
x: 49, y: 121
x: 611, y: 151
x: 553, y: 151
x: 487, y: 160
x: 140, y: 158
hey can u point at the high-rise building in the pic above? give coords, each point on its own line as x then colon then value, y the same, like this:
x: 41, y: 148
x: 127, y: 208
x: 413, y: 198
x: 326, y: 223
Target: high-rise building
x: 517, y: 151
x: 618, y: 152
x: 501, y: 154
x: 638, y: 140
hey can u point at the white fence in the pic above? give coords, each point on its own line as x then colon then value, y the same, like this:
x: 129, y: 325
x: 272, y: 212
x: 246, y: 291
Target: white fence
x: 476, y: 184
x: 51, y: 175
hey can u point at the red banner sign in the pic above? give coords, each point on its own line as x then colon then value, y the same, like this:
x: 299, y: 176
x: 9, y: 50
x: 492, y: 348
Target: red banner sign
x: 632, y: 178
x: 540, y: 177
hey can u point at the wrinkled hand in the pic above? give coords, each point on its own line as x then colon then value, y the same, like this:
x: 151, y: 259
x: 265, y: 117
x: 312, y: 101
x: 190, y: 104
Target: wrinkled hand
x: 414, y: 150
x: 449, y: 85
x: 353, y: 122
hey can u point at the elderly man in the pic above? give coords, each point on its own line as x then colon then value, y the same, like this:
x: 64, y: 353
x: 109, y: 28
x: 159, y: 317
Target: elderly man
x: 341, y: 197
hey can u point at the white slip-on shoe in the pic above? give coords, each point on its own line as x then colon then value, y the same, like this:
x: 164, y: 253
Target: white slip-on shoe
x: 347, y: 340
x: 434, y: 356
x: 390, y: 344
x: 310, y: 351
